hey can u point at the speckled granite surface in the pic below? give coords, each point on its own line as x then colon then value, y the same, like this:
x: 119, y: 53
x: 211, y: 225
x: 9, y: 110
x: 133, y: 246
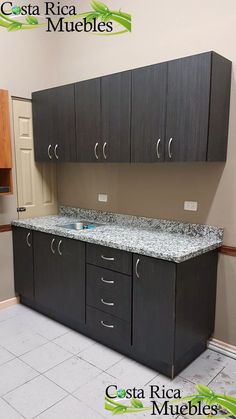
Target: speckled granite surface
x: 163, y: 239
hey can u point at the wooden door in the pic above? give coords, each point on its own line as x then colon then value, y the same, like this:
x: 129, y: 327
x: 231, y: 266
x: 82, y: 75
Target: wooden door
x: 188, y: 108
x: 116, y: 114
x: 149, y: 90
x: 23, y: 262
x: 153, y: 310
x: 88, y: 120
x: 36, y: 182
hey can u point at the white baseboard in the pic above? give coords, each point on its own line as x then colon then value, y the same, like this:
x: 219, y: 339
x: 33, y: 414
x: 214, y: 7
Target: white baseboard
x: 8, y: 303
x: 222, y: 347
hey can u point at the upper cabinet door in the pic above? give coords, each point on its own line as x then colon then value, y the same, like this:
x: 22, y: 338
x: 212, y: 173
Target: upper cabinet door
x: 54, y: 124
x: 116, y: 112
x: 149, y: 88
x: 189, y: 81
x: 88, y: 126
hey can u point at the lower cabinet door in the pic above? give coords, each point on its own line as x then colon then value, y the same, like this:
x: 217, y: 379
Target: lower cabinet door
x: 60, y: 277
x: 153, y: 310
x: 108, y: 329
x: 23, y: 262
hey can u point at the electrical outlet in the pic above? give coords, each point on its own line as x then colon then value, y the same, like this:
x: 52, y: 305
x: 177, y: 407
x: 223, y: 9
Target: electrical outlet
x: 190, y: 205
x: 102, y: 197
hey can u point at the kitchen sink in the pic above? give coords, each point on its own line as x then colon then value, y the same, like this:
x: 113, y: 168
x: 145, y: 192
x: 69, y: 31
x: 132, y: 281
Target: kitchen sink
x: 80, y: 225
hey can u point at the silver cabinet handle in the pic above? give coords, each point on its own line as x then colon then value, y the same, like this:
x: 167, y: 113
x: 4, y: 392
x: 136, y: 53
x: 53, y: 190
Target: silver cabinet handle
x: 109, y: 259
x: 136, y: 268
x: 49, y: 151
x: 104, y: 150
x: 110, y: 326
x: 59, y: 247
x: 95, y: 150
x: 169, y: 148
x: 55, y: 151
x: 106, y: 281
x: 158, y: 148
x: 52, y: 248
x: 27, y: 240
x: 106, y: 303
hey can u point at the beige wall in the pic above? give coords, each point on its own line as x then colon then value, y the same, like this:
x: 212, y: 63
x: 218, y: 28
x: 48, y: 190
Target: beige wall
x: 162, y: 30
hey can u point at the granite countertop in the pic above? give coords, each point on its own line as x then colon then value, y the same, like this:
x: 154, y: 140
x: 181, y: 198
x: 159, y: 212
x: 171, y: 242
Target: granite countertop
x: 163, y: 239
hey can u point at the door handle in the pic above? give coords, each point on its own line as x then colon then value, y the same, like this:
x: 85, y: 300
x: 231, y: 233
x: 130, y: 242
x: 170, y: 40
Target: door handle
x: 49, y: 151
x: 52, y: 248
x: 59, y: 247
x: 136, y: 268
x: 55, y: 151
x: 104, y: 150
x: 95, y: 150
x: 106, y: 303
x: 21, y: 209
x: 110, y: 326
x: 158, y: 148
x: 169, y: 148
x: 27, y: 240
x: 106, y: 281
x: 108, y: 259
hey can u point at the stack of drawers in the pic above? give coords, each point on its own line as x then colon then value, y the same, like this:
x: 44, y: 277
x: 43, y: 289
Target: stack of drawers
x: 109, y: 295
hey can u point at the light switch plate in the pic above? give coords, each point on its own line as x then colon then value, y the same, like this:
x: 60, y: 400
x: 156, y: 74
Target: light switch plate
x: 102, y: 197
x: 190, y: 206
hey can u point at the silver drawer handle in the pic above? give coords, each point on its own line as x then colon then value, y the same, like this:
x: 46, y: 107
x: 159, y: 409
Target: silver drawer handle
x: 169, y: 148
x: 52, y: 248
x: 106, y: 304
x: 27, y: 240
x: 59, y: 247
x: 55, y: 151
x: 109, y: 259
x: 95, y: 150
x: 104, y: 150
x: 136, y: 268
x: 158, y: 148
x: 49, y: 149
x: 106, y: 281
x: 109, y: 326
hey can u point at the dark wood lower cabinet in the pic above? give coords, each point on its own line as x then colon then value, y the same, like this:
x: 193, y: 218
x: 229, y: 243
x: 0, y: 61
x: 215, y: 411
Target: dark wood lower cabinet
x: 160, y: 314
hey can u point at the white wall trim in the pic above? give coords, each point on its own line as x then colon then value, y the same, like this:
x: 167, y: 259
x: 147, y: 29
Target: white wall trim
x: 8, y: 303
x: 222, y: 347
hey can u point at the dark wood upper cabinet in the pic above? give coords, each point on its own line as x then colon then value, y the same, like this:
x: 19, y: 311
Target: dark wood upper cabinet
x: 149, y: 93
x: 198, y: 108
x: 88, y: 120
x: 116, y: 113
x: 54, y: 124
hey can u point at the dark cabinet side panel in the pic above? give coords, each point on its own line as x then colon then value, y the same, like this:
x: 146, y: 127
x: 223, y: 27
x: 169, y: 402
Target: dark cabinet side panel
x: 154, y: 310
x: 188, y: 108
x: 88, y: 130
x: 23, y: 262
x: 149, y: 89
x: 116, y: 108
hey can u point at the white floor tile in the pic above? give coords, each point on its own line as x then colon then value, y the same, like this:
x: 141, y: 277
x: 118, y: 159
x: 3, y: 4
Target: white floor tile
x: 131, y: 374
x: 205, y: 367
x: 7, y: 412
x: 45, y: 357
x: 69, y: 408
x: 34, y: 397
x: 225, y: 382
x: 178, y: 383
x: 44, y: 326
x: 23, y: 342
x: 5, y: 356
x: 101, y: 356
x: 74, y: 342
x: 13, y: 374
x: 13, y: 311
x: 72, y: 374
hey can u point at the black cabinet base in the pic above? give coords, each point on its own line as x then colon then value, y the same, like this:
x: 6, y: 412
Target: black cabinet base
x: 161, y: 367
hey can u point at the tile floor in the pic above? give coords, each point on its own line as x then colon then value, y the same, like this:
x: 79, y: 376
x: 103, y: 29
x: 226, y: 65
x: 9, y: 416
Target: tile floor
x: 50, y: 372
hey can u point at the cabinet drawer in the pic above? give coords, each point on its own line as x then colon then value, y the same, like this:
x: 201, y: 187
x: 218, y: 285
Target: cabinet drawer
x: 106, y: 257
x: 109, y: 291
x: 107, y: 328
